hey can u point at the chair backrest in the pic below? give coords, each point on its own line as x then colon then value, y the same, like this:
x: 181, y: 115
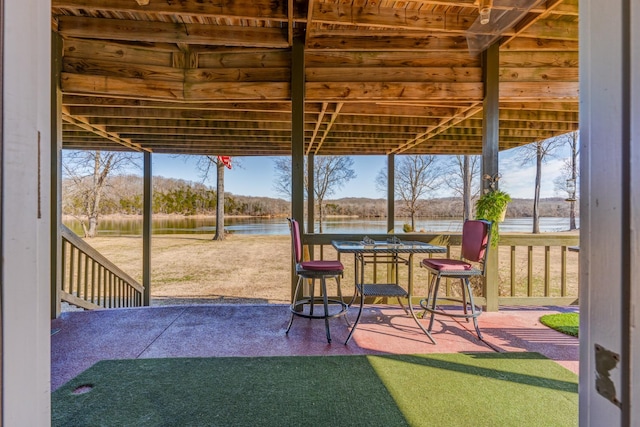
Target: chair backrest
x: 476, y: 235
x: 296, y: 240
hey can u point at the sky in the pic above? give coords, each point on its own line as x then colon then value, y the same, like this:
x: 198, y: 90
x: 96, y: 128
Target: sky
x: 255, y: 176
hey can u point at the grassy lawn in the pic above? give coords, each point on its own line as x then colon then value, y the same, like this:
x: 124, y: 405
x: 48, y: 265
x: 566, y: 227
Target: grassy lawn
x: 567, y: 323
x: 192, y: 268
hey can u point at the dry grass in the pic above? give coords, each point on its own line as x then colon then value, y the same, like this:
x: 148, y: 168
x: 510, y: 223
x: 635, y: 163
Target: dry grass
x: 191, y: 268
x: 256, y: 268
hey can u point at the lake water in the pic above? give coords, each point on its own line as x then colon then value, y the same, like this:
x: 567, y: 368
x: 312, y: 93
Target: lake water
x: 280, y: 226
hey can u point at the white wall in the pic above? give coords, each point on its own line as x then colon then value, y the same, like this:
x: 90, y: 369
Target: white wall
x: 25, y: 236
x: 610, y: 207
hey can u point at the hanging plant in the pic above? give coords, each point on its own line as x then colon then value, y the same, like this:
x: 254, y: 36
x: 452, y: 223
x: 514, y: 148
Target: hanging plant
x: 492, y: 206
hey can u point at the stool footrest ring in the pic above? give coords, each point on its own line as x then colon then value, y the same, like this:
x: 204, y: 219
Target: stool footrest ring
x: 318, y: 301
x: 470, y: 315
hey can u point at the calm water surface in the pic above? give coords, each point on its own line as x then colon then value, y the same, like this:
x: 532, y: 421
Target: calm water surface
x: 280, y: 226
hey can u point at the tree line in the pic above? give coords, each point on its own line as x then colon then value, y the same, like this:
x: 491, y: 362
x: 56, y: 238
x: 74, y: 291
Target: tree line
x: 123, y: 196
x: 93, y: 187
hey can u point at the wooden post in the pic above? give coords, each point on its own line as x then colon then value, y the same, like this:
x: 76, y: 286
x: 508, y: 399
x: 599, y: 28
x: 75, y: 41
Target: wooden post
x: 392, y: 269
x: 147, y: 229
x: 297, y: 137
x: 490, y: 146
x: 311, y: 199
x: 391, y: 194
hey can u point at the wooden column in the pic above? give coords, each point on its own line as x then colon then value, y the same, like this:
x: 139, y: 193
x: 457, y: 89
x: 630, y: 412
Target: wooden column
x: 391, y: 204
x: 147, y: 229
x: 55, y: 186
x: 391, y: 194
x: 297, y: 136
x: 490, y: 146
x: 311, y: 200
x: 311, y: 197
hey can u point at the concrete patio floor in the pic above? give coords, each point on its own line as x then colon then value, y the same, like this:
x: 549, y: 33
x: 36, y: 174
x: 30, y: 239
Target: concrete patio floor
x: 80, y: 339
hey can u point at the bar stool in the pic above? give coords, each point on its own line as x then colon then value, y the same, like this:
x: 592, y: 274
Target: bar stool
x: 476, y: 235
x: 319, y: 269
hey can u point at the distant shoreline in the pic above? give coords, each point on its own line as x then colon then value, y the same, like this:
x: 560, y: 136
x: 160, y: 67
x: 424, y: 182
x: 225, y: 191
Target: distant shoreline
x: 125, y: 217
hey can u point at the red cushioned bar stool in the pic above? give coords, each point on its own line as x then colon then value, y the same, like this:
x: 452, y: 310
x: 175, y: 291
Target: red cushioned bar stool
x: 312, y: 270
x: 476, y: 235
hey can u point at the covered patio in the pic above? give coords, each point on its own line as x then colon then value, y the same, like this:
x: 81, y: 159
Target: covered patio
x: 124, y: 70
x: 80, y: 339
x: 305, y: 79
x: 312, y: 78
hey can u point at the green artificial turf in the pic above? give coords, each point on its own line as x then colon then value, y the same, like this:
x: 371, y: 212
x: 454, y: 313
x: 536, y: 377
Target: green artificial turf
x: 567, y: 323
x: 479, y: 389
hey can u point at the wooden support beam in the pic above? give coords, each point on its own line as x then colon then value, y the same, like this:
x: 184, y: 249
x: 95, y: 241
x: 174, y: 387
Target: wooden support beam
x: 391, y: 193
x: 490, y: 146
x: 147, y: 210
x: 171, y: 32
x: 297, y: 138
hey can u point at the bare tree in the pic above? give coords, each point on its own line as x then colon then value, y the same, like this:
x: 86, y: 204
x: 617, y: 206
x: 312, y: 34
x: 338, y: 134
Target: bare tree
x: 568, y: 181
x: 205, y: 165
x: 464, y: 180
x: 330, y: 174
x: 538, y: 152
x: 415, y: 177
x: 88, y: 171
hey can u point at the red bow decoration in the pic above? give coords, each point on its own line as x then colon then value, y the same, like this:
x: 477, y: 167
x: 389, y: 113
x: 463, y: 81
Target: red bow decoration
x: 226, y: 160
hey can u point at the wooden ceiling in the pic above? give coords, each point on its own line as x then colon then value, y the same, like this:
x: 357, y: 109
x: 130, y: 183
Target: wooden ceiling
x: 214, y: 77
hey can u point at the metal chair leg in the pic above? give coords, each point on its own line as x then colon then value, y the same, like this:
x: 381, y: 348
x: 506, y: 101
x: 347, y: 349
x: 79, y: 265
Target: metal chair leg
x: 473, y: 308
x: 424, y: 303
x: 346, y: 318
x: 325, y: 301
x: 293, y: 304
x: 353, y: 328
x: 312, y: 291
x: 463, y: 283
x: 434, y: 301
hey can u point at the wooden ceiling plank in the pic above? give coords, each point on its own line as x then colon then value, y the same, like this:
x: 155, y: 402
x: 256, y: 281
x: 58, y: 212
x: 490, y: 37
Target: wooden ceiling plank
x: 343, y: 91
x: 102, y: 101
x: 416, y: 58
x: 539, y: 90
x: 173, y: 91
x: 532, y: 18
x: 166, y: 32
x: 99, y: 67
x: 552, y: 29
x: 255, y: 9
x: 328, y: 126
x: 86, y: 124
x: 382, y: 41
x: 394, y: 74
x: 190, y: 76
x: 316, y: 128
x: 388, y: 17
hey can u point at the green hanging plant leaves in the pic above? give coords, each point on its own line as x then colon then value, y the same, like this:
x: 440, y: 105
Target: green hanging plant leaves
x: 492, y: 206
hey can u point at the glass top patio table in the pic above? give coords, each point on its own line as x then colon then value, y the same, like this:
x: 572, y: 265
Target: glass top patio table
x: 394, y: 249
x: 381, y: 246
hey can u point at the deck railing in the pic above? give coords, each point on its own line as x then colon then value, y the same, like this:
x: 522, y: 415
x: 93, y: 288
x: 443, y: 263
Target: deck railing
x: 534, y: 270
x: 90, y: 281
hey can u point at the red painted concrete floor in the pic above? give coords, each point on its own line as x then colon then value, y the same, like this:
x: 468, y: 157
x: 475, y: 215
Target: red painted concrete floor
x: 80, y: 339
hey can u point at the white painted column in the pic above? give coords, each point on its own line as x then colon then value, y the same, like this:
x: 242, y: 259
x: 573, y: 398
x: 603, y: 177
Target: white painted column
x: 633, y: 413
x: 26, y: 213
x: 610, y: 212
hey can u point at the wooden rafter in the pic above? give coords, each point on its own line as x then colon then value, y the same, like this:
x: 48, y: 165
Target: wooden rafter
x: 84, y: 123
x: 380, y: 77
